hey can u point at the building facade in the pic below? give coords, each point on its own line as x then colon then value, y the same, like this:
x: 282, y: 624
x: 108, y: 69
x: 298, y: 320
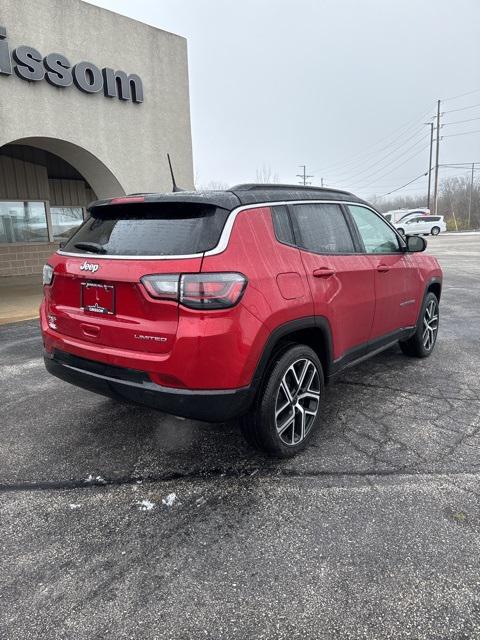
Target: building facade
x: 90, y: 104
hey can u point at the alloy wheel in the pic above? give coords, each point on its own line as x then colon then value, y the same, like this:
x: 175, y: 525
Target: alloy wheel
x: 430, y: 325
x: 297, y: 401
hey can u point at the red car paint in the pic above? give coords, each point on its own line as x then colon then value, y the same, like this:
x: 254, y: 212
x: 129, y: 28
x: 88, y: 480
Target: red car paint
x: 361, y: 297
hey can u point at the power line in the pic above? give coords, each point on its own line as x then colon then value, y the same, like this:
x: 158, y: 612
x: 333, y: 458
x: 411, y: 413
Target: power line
x: 465, y: 133
x: 458, y: 164
x: 460, y: 121
x: 396, y: 167
x: 472, y: 106
x: 461, y: 95
x: 366, y: 151
x: 382, y: 159
x: 355, y: 159
x: 422, y: 175
x: 463, y: 166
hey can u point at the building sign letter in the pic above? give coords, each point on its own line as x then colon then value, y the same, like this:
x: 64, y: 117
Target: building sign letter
x: 56, y: 69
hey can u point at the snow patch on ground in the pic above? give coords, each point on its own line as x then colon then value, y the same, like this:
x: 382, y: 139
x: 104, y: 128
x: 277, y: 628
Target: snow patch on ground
x: 169, y: 500
x: 145, y: 505
x: 98, y: 479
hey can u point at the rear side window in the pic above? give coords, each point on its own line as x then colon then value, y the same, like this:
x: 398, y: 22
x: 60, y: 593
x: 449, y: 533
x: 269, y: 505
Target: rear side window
x: 281, y: 224
x: 152, y: 229
x: 322, y: 228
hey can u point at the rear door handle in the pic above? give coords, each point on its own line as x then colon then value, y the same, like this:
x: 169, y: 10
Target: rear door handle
x: 323, y: 272
x: 383, y: 268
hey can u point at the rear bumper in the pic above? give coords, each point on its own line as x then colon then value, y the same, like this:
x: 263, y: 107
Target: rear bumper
x: 135, y: 386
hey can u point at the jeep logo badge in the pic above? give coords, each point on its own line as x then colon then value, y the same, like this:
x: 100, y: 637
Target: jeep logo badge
x: 86, y: 266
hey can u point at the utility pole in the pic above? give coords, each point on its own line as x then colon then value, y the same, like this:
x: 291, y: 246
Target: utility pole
x: 322, y: 182
x: 470, y: 199
x: 303, y: 176
x: 437, y: 153
x: 430, y: 163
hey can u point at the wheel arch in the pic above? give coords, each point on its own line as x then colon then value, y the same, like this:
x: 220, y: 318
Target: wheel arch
x: 434, y: 286
x: 314, y: 331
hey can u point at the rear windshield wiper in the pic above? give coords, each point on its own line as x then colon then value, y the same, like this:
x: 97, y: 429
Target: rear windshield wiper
x: 90, y: 246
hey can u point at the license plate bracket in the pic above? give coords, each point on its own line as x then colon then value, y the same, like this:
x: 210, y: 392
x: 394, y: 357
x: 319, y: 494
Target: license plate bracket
x: 97, y: 297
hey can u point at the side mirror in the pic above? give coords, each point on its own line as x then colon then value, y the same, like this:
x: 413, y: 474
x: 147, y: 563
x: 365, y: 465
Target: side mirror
x: 415, y: 244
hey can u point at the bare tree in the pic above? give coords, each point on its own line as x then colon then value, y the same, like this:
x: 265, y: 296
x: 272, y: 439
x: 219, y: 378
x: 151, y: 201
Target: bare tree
x: 213, y: 185
x: 266, y: 176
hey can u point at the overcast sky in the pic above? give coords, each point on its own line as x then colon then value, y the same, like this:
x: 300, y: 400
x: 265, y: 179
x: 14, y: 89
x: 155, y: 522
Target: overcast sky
x: 343, y: 86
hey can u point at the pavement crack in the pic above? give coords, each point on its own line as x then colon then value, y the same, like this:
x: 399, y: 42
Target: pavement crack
x: 213, y: 474
x: 409, y: 391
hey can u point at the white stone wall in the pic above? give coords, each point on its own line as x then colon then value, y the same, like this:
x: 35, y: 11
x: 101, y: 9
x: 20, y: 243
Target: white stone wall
x: 117, y: 146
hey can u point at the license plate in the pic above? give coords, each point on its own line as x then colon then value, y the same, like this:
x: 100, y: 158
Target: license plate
x: 98, y: 298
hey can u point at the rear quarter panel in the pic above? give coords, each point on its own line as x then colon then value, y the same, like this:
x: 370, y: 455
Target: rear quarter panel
x: 277, y: 290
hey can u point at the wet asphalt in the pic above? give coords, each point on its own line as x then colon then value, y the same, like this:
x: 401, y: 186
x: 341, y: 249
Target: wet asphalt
x: 120, y: 522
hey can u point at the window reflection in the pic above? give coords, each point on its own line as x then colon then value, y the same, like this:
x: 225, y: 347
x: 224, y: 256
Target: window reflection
x: 65, y: 220
x: 23, y: 222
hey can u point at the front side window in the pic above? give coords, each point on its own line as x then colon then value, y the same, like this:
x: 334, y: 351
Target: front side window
x: 23, y: 222
x: 322, y: 228
x: 377, y: 236
x: 65, y: 220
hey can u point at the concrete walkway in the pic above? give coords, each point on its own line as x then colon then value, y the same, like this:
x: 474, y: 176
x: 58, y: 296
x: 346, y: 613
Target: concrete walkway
x: 20, y: 298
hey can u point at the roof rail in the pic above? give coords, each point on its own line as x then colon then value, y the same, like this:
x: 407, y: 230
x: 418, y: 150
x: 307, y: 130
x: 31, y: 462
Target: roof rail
x: 279, y: 187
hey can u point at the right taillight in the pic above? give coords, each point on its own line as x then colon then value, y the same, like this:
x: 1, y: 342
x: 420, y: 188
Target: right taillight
x: 198, y: 290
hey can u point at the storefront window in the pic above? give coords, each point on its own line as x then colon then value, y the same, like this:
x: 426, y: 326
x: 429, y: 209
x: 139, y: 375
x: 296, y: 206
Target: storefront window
x: 23, y: 222
x: 65, y: 220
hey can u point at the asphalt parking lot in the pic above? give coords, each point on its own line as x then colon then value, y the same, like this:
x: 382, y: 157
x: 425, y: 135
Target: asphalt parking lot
x: 373, y: 532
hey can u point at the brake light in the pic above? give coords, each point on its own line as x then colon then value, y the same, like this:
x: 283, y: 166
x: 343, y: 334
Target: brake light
x: 127, y: 200
x: 198, y: 290
x: 211, y: 290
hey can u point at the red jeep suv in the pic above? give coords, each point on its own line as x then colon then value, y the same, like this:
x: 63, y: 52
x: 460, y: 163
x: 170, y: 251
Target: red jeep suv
x: 238, y: 303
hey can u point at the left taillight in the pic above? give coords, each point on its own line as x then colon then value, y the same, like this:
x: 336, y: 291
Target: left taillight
x: 163, y: 287
x: 47, y: 274
x: 198, y: 290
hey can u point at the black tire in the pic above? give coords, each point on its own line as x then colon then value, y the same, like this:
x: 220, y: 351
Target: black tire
x: 415, y: 346
x: 401, y: 231
x: 259, y: 426
x: 435, y: 231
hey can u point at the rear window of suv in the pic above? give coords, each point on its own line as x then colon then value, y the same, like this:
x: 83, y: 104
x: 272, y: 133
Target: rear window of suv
x: 150, y: 229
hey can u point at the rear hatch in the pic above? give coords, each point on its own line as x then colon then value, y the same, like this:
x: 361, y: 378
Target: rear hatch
x: 97, y: 294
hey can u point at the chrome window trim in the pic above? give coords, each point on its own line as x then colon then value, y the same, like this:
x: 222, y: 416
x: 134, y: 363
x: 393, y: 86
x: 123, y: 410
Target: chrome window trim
x: 225, y: 235
x: 106, y: 256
